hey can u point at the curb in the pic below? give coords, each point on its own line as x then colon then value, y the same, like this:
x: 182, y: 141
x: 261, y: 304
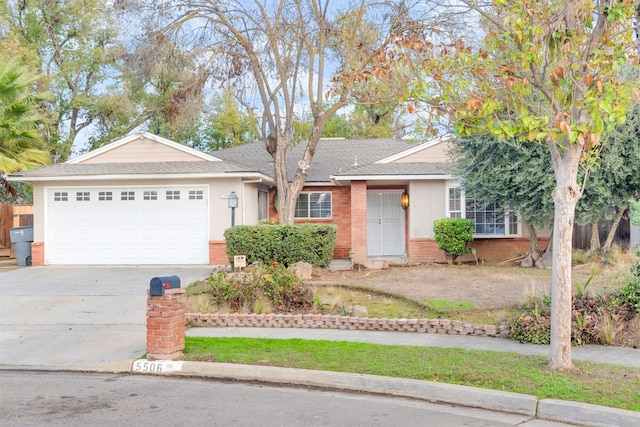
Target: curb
x: 493, y: 400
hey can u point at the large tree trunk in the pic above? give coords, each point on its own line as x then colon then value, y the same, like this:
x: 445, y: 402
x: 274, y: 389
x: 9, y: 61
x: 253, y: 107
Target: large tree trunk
x: 534, y: 249
x: 614, y: 227
x: 594, y: 242
x: 566, y: 194
x: 288, y: 192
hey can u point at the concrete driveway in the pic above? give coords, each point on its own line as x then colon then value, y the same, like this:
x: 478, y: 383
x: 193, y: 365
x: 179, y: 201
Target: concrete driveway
x: 78, y: 317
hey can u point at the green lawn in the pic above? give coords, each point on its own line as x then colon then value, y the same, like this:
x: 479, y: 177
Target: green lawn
x: 598, y: 384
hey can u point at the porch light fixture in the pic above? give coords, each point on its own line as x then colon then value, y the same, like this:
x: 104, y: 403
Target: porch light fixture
x: 232, y: 202
x: 404, y: 200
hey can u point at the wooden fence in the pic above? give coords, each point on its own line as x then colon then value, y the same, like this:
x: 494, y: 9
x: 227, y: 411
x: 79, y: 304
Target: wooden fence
x: 582, y: 234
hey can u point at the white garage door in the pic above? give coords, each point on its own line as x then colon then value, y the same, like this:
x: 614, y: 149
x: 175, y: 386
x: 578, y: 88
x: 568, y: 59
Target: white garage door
x: 127, y: 225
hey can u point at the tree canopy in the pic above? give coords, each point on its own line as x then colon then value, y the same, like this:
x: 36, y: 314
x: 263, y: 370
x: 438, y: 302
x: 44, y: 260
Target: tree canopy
x: 550, y: 73
x: 20, y: 123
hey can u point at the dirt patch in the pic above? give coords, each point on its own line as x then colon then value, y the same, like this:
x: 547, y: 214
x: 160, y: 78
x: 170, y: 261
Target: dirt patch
x: 628, y: 334
x: 488, y: 287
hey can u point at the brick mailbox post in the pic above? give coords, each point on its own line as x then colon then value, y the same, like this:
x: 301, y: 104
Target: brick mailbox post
x: 165, y: 318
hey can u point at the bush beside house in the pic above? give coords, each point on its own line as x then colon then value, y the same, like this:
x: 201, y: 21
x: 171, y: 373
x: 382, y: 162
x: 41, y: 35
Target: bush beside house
x: 284, y: 244
x: 454, y: 235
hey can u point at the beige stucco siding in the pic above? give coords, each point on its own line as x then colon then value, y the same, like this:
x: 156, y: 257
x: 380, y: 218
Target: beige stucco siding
x: 438, y: 153
x: 143, y: 150
x: 427, y: 205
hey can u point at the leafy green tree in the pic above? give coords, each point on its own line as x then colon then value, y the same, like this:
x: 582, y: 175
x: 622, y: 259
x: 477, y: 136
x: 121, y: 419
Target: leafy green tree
x: 159, y: 89
x: 20, y: 123
x: 511, y: 174
x: 546, y: 72
x: 613, y: 181
x: 72, y: 44
x: 338, y: 126
x: 228, y: 124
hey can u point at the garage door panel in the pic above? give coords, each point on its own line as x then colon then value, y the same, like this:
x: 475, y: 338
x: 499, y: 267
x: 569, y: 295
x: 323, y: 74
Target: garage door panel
x: 119, y: 231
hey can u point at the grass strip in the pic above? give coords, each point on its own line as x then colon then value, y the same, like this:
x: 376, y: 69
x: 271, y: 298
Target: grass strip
x: 599, y: 384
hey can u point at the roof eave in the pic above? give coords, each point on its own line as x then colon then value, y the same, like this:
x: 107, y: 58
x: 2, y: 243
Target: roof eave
x: 424, y: 177
x: 141, y: 177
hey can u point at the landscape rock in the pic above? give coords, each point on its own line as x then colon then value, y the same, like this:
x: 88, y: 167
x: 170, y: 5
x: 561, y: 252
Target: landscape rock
x: 302, y: 270
x: 357, y: 311
x: 377, y: 264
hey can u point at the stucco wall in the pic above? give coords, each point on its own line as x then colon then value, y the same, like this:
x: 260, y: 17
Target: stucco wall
x: 142, y: 151
x: 427, y: 203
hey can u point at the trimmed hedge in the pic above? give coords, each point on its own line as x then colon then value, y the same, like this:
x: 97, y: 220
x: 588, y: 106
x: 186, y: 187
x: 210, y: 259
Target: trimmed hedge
x: 454, y: 235
x: 284, y: 244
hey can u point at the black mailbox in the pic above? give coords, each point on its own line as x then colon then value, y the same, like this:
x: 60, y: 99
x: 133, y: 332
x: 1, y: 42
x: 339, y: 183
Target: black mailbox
x: 158, y: 285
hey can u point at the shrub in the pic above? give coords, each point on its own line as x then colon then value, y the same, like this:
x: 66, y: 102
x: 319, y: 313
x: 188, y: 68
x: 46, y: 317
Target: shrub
x: 284, y: 244
x: 630, y: 294
x: 534, y: 323
x: 234, y: 290
x: 454, y: 235
x: 284, y: 289
x: 592, y: 319
x: 274, y: 286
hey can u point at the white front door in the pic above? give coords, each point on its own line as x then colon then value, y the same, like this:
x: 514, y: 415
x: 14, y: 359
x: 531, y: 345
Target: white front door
x: 127, y: 225
x: 385, y: 223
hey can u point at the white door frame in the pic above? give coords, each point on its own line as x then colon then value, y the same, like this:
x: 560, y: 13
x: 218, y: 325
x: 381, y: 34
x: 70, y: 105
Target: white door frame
x: 386, y: 234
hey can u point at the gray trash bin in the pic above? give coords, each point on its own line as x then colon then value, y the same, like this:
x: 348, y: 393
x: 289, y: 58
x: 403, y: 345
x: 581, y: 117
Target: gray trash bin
x: 21, y: 238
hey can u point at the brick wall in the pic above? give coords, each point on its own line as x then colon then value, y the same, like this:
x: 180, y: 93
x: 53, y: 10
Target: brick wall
x: 37, y: 253
x: 492, y: 250
x: 340, y: 217
x: 327, y: 321
x: 166, y: 324
x: 218, y: 252
x: 359, y: 221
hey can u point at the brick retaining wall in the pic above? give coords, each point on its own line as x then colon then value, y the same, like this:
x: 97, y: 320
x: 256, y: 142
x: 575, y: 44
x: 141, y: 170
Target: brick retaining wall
x: 328, y: 321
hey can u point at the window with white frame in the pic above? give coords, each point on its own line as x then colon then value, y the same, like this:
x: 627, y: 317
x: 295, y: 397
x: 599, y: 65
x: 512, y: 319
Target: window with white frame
x: 489, y: 219
x: 313, y: 205
x: 263, y: 205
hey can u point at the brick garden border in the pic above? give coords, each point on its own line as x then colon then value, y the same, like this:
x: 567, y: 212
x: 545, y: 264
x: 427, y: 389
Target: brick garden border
x: 328, y: 321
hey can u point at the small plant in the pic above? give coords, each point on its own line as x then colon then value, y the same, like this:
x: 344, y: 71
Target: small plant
x: 630, y: 294
x: 534, y: 323
x: 579, y: 256
x: 285, y: 290
x: 233, y: 290
x: 454, y: 235
x: 581, y: 288
x: 605, y: 330
x: 262, y: 306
